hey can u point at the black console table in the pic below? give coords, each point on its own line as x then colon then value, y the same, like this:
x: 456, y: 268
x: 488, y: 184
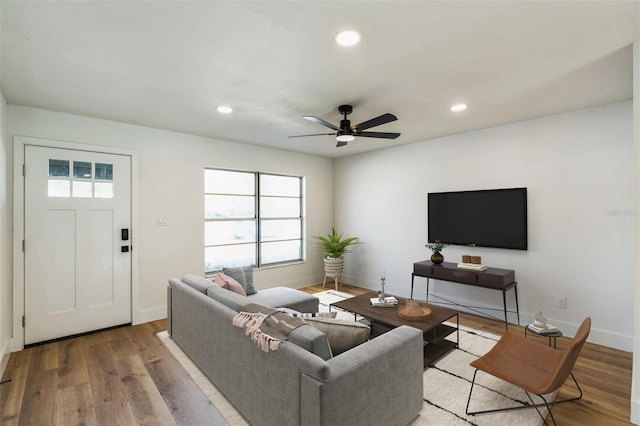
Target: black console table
x: 491, y: 278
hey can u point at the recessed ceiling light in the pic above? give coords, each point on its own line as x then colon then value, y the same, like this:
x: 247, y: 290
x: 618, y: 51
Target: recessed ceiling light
x: 224, y: 109
x: 347, y: 38
x: 459, y: 107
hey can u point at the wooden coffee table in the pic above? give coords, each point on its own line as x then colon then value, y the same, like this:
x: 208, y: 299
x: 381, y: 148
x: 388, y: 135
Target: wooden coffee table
x: 433, y: 329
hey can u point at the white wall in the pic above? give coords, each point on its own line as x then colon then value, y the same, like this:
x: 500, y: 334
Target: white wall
x: 5, y: 242
x: 635, y: 383
x: 578, y: 168
x: 171, y: 184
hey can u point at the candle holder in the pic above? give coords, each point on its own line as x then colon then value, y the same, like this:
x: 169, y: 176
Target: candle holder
x: 381, y: 295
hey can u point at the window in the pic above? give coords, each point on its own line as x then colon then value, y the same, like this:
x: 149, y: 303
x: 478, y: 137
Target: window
x: 251, y: 219
x: 83, y: 183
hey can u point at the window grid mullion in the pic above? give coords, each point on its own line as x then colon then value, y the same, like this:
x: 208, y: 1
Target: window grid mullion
x: 258, y: 224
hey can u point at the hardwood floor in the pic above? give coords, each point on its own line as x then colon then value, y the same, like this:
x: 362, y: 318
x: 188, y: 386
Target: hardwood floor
x: 122, y: 376
x: 126, y: 376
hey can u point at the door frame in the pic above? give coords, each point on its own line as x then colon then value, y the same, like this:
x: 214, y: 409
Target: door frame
x: 19, y: 144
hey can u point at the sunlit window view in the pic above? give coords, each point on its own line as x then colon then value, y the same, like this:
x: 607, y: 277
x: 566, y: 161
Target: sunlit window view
x: 251, y: 219
x: 88, y: 180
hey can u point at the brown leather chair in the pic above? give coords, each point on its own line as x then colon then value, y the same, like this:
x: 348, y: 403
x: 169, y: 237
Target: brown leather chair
x: 534, y: 367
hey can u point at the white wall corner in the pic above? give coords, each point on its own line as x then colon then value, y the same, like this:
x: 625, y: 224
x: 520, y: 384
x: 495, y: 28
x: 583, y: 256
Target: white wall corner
x: 635, y: 381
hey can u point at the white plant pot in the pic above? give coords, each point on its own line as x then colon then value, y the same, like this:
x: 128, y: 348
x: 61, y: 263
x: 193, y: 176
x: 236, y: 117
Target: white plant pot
x: 333, y: 265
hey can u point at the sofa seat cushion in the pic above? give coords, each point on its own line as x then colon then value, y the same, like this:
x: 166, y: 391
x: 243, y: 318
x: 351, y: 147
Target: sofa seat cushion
x: 341, y: 334
x: 285, y: 297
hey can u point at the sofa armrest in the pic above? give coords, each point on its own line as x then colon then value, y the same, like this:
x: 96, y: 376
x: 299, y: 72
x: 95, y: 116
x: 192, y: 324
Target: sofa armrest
x: 378, y: 382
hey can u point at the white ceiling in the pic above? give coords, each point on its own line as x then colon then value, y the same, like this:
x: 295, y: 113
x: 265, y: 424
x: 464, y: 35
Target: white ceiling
x: 169, y: 64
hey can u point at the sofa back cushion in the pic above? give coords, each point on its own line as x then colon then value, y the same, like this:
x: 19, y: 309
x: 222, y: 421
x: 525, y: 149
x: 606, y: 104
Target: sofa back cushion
x: 228, y: 298
x: 199, y: 283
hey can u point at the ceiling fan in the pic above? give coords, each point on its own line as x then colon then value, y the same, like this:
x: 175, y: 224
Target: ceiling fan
x: 346, y: 132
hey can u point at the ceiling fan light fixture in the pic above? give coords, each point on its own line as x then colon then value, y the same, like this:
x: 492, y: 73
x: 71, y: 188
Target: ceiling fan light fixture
x: 224, y: 109
x: 345, y: 138
x: 348, y: 38
x: 458, y: 107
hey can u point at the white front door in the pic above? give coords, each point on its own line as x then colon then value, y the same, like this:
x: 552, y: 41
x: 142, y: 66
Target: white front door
x: 77, y: 257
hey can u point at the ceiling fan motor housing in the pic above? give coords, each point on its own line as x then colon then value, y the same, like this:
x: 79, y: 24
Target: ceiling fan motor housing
x: 345, y: 109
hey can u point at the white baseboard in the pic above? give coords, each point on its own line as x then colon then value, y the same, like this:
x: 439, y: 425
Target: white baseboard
x: 150, y: 314
x: 635, y: 412
x: 598, y: 336
x: 5, y: 353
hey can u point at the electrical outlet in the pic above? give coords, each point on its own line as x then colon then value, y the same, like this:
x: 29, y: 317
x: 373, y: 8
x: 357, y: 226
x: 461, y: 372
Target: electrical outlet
x: 561, y: 302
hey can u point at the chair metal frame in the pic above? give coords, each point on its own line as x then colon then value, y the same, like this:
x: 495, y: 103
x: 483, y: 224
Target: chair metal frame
x: 545, y: 404
x: 565, y: 361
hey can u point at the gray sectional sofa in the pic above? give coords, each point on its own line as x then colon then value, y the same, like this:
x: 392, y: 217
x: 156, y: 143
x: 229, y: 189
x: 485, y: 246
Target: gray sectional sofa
x: 376, y: 383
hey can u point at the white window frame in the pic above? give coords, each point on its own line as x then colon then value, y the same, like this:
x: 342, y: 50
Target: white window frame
x: 258, y: 218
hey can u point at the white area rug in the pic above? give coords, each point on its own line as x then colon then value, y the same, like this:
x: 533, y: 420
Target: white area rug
x: 446, y: 385
x: 332, y: 296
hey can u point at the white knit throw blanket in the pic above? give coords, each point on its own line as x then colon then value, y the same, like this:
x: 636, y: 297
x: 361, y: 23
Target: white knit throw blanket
x: 267, y: 327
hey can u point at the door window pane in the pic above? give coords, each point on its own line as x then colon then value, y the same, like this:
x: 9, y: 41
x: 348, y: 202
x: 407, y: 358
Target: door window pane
x: 103, y: 190
x: 229, y: 206
x: 58, y: 168
x: 82, y: 189
x: 81, y: 170
x: 59, y: 188
x: 104, y: 171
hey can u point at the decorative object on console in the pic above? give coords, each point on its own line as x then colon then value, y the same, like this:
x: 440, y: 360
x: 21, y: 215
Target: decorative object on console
x: 436, y: 257
x: 472, y: 262
x: 472, y: 266
x: 334, y: 247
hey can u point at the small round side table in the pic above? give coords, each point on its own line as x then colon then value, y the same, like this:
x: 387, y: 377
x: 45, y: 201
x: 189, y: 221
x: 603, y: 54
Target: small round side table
x: 553, y: 335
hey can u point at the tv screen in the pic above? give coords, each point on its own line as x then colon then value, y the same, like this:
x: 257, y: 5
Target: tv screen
x: 486, y: 218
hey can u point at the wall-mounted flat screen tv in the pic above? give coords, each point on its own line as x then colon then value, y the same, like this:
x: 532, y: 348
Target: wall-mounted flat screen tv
x: 485, y: 218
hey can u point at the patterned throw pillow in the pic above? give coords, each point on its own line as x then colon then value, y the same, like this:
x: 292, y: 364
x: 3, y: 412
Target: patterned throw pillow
x: 244, y: 275
x: 229, y: 283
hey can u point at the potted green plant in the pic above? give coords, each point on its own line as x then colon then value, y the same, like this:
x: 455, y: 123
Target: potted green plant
x: 436, y: 249
x: 334, y: 247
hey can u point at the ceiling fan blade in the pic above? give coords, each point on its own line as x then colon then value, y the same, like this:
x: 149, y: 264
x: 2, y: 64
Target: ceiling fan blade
x: 384, y: 135
x: 320, y: 121
x: 315, y: 134
x: 339, y: 144
x: 383, y: 119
